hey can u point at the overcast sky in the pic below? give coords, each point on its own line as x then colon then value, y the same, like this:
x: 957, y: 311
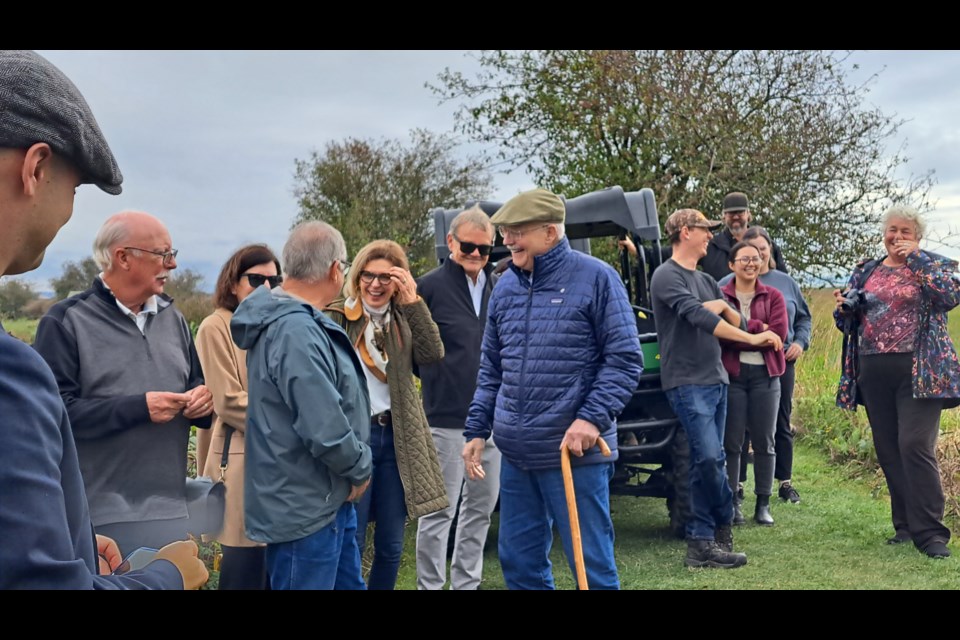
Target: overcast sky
x: 207, y: 140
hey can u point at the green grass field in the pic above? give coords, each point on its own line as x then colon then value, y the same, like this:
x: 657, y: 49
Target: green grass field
x: 21, y: 328
x: 833, y: 539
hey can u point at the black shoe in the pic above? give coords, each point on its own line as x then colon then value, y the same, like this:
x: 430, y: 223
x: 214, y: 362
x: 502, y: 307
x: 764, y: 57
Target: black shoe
x: 787, y: 492
x: 900, y: 538
x: 936, y: 549
x: 724, y: 538
x: 706, y: 553
x: 761, y: 514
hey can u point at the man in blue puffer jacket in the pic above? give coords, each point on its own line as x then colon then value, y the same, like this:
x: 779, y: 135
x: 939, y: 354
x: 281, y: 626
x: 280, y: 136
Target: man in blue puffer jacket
x: 560, y: 359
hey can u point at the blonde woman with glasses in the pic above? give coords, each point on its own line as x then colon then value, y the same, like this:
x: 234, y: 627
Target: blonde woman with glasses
x: 392, y: 331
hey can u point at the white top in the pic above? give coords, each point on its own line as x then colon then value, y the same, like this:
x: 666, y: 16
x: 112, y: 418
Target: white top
x: 748, y: 357
x: 476, y: 290
x: 149, y: 308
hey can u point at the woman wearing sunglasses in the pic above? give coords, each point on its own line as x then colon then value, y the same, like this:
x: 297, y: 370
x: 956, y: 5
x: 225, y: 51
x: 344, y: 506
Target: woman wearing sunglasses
x: 754, y: 394
x: 391, y: 329
x: 225, y: 371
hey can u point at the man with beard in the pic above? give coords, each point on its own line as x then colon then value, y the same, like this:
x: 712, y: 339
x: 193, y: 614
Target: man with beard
x: 736, y: 219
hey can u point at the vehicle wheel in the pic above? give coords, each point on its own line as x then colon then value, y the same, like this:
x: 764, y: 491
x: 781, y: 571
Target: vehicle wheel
x: 679, y: 505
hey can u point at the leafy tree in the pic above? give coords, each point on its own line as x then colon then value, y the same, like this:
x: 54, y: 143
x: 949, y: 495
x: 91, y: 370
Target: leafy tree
x: 385, y: 189
x: 183, y: 286
x: 786, y: 127
x: 14, y: 296
x: 76, y: 276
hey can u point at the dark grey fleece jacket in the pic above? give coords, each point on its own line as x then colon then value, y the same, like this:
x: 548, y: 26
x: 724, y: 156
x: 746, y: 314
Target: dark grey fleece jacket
x: 133, y: 469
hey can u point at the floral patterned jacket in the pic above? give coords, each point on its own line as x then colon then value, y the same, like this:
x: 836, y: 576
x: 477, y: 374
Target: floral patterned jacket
x: 936, y: 371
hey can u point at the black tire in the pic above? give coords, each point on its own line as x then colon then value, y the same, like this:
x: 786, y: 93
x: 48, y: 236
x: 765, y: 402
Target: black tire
x: 679, y: 504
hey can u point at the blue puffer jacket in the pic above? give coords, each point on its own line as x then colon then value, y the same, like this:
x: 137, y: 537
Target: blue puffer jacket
x: 561, y: 347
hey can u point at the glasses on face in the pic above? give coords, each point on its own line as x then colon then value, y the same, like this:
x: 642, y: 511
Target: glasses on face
x: 734, y: 214
x: 367, y: 277
x: 257, y: 280
x: 506, y: 232
x: 344, y: 265
x: 165, y: 256
x: 745, y: 260
x: 469, y: 247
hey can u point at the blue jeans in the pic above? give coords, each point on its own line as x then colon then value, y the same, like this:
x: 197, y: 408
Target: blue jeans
x: 702, y: 411
x: 327, y: 559
x: 531, y: 502
x: 385, y: 504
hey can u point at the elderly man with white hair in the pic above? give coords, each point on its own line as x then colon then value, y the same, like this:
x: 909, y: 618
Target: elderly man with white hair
x: 308, y: 457
x: 130, y: 377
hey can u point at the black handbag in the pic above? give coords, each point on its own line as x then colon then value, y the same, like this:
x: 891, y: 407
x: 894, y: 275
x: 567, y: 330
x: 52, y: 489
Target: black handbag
x: 207, y: 499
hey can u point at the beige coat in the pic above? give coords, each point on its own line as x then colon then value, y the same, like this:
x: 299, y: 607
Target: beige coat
x: 413, y: 336
x: 225, y: 372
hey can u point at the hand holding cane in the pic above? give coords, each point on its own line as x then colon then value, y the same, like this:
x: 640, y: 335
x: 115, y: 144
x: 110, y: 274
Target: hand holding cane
x: 572, y: 511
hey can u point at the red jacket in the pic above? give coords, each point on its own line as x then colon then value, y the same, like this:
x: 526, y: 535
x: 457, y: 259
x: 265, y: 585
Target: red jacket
x: 767, y: 307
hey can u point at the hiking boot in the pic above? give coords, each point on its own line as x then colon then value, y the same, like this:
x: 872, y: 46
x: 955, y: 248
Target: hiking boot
x: 706, y: 553
x: 788, y: 493
x: 761, y: 514
x: 900, y: 538
x: 724, y: 538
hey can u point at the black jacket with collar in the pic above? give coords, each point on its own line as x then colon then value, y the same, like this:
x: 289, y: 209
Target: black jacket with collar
x: 717, y: 260
x: 448, y: 385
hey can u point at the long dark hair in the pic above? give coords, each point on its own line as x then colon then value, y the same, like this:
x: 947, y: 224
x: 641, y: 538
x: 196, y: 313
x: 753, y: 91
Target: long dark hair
x: 242, y: 259
x: 760, y: 232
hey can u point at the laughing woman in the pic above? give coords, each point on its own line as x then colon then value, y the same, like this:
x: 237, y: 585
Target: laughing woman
x: 901, y: 361
x: 754, y: 395
x: 391, y: 329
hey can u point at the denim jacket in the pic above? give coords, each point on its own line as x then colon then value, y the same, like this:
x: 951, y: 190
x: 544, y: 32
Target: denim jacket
x: 936, y: 371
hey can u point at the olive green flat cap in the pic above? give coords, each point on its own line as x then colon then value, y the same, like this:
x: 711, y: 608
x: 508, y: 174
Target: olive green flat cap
x: 538, y: 205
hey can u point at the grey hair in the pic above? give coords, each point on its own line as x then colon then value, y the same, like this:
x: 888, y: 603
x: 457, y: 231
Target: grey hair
x: 474, y: 216
x: 906, y: 212
x: 310, y: 250
x: 561, y: 230
x: 112, y: 233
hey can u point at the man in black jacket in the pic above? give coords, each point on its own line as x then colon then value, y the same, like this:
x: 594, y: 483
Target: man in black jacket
x: 456, y: 293
x: 736, y: 219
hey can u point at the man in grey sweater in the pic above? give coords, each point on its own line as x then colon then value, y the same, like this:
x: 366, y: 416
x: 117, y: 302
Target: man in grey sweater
x: 129, y: 374
x: 691, y: 315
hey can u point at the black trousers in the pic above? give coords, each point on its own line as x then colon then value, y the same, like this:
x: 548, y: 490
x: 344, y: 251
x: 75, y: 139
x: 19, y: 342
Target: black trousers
x: 783, y: 438
x: 243, y: 568
x: 905, y: 433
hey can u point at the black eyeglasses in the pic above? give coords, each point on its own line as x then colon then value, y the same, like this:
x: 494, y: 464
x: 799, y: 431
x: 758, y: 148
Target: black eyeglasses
x: 165, y: 256
x: 257, y: 279
x: 470, y: 247
x: 745, y: 260
x: 367, y: 277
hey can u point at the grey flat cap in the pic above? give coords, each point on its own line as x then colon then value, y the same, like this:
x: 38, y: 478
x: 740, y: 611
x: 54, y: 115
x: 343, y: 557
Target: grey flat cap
x: 38, y: 103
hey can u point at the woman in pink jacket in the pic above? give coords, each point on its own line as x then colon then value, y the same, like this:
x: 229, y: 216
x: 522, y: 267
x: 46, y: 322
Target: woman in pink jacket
x: 754, y: 394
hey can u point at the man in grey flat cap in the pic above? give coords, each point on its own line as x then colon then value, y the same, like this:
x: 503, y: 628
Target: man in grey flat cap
x: 559, y: 360
x: 49, y: 145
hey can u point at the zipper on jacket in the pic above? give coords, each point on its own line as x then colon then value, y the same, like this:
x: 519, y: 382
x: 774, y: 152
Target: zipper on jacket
x: 526, y: 346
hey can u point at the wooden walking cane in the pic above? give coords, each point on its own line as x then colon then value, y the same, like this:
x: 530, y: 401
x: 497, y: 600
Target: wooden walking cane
x: 572, y: 511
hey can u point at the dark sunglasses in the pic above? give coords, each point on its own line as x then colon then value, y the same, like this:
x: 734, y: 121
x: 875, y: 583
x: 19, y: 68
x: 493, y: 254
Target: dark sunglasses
x: 257, y: 280
x: 469, y: 247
